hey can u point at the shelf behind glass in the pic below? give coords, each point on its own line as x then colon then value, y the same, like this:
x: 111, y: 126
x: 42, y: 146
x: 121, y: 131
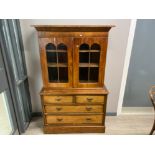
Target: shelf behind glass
x: 88, y: 65
x: 89, y: 51
x: 56, y: 51
x: 57, y: 65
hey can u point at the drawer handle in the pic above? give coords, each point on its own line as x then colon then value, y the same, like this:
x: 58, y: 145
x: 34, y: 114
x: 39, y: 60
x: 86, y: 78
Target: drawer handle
x: 88, y: 119
x: 89, y: 99
x: 58, y: 99
x: 88, y: 108
x: 59, y: 119
x: 58, y: 108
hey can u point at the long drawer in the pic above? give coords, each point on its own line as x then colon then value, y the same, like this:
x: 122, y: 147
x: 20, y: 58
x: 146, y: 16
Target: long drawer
x: 76, y: 109
x: 58, y: 99
x: 89, y: 99
x: 72, y: 119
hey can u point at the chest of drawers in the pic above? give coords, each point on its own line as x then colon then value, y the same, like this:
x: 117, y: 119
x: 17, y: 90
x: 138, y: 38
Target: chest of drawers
x: 74, y: 111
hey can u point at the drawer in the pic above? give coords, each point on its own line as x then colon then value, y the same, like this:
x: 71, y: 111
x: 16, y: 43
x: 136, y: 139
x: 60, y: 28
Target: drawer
x: 72, y: 119
x: 58, y: 99
x: 61, y: 109
x: 89, y: 99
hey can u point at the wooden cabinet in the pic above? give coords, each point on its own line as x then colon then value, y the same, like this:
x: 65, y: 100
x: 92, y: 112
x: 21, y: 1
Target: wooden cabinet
x: 73, y: 62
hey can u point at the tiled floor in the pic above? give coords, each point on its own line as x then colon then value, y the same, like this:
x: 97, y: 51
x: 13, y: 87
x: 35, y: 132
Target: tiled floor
x: 115, y: 125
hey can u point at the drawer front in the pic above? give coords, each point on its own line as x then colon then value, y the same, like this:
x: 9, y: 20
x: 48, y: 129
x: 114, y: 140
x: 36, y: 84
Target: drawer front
x: 62, y: 109
x: 74, y: 119
x: 58, y: 99
x: 90, y: 99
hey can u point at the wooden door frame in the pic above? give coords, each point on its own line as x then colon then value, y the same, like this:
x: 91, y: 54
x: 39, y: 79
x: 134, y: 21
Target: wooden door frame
x: 102, y: 61
x: 43, y: 58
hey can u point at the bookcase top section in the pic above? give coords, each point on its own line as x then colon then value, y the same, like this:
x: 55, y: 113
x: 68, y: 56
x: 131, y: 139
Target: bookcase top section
x: 73, y: 28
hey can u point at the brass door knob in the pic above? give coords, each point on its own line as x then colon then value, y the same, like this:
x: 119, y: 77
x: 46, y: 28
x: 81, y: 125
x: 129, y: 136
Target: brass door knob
x: 88, y: 108
x: 58, y: 99
x: 88, y: 119
x: 58, y: 108
x: 89, y: 99
x: 59, y: 119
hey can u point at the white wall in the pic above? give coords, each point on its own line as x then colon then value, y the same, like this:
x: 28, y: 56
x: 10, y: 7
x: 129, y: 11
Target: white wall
x: 115, y: 57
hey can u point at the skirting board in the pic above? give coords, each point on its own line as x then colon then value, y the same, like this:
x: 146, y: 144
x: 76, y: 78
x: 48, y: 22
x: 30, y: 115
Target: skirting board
x: 36, y: 114
x: 137, y: 111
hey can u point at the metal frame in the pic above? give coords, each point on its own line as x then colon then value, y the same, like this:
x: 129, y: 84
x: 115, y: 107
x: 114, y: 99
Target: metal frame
x: 5, y: 88
x: 9, y: 41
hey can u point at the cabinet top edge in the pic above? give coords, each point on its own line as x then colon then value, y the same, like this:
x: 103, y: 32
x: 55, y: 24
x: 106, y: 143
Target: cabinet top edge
x: 74, y: 91
x: 73, y: 28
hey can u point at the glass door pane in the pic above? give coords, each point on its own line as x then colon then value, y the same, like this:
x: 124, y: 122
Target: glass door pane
x: 51, y: 56
x: 57, y: 53
x: 63, y: 74
x: 9, y: 47
x: 53, y: 74
x: 24, y: 109
x: 17, y: 47
x: 93, y: 77
x: 89, y: 58
x: 6, y: 123
x: 13, y: 53
x: 94, y: 62
x: 84, y: 63
x: 57, y: 62
x: 89, y: 62
x: 62, y: 63
x: 83, y: 74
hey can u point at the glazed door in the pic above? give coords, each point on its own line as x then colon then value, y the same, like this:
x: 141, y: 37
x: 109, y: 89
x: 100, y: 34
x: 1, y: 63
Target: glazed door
x: 56, y: 60
x: 14, y: 59
x: 8, y: 124
x: 89, y: 62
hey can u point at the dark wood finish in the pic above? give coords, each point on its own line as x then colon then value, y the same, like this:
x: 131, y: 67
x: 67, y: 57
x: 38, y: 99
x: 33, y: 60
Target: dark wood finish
x: 152, y: 98
x: 73, y: 96
x: 72, y: 34
x: 73, y: 28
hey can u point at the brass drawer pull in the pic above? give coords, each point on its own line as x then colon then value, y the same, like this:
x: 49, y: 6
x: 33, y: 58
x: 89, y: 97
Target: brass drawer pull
x: 58, y: 108
x: 88, y: 108
x: 59, y: 119
x: 89, y: 99
x: 58, y: 99
x: 88, y: 119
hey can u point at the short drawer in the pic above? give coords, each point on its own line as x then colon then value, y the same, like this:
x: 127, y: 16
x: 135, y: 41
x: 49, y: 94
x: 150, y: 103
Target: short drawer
x: 72, y: 119
x: 79, y: 109
x: 58, y: 99
x: 89, y: 99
